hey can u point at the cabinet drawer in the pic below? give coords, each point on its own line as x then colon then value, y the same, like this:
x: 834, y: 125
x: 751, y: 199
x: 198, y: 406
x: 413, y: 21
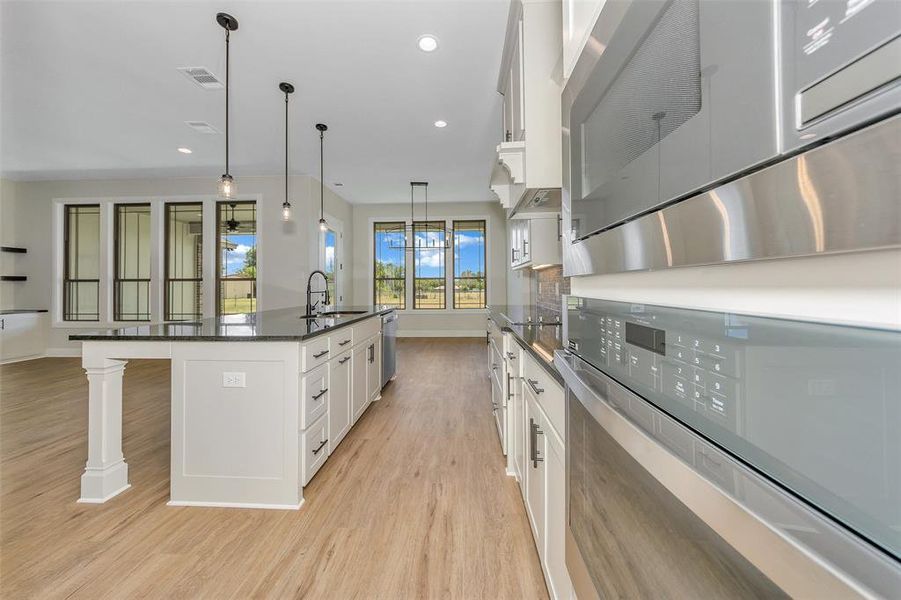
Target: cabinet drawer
x: 342, y: 340
x: 313, y: 395
x: 367, y: 329
x: 314, y: 449
x: 314, y: 353
x: 550, y: 396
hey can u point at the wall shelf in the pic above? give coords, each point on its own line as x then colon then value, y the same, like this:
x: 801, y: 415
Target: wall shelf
x: 13, y: 278
x: 13, y: 249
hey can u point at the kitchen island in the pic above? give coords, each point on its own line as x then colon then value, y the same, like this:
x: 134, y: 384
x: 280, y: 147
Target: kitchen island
x: 259, y: 401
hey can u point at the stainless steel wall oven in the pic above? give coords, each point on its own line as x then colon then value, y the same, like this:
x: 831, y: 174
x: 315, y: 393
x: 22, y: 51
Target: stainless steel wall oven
x: 703, y: 131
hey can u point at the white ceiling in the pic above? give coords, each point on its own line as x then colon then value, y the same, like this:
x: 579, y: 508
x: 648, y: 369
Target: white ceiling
x: 91, y: 90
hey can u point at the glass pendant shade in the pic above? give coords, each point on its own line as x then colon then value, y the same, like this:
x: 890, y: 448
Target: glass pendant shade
x: 322, y: 225
x: 286, y: 211
x: 227, y: 188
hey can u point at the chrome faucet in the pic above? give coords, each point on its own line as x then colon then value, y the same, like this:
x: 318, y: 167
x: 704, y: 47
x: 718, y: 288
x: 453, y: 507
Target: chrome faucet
x: 310, y: 292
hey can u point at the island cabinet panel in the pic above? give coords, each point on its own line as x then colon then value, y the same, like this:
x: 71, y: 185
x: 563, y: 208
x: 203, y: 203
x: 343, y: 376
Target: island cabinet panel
x: 359, y: 380
x: 315, y: 352
x: 341, y: 340
x: 314, y: 448
x: 367, y: 329
x: 374, y: 368
x: 339, y: 409
x: 314, y: 393
x: 234, y: 424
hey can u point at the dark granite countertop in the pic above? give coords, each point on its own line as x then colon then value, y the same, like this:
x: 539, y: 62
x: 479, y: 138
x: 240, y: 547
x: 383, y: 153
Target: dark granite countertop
x: 281, y: 325
x: 22, y: 311
x: 535, y: 330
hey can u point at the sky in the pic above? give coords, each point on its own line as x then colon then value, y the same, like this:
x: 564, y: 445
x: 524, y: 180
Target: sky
x: 234, y: 259
x: 468, y: 256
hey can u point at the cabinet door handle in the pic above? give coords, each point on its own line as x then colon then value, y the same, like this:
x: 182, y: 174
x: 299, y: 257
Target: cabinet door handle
x: 320, y: 394
x: 344, y: 343
x: 534, y: 385
x: 493, y: 406
x: 321, y: 354
x: 321, y: 446
x: 371, y: 353
x: 511, y: 356
x: 509, y: 386
x: 534, y: 432
x: 559, y: 227
x: 341, y: 361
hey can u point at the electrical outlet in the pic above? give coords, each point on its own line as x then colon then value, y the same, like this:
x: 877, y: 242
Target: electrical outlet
x: 233, y: 380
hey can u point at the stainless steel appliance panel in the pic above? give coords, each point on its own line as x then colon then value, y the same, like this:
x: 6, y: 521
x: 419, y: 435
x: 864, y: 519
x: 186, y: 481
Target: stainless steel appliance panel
x: 839, y: 197
x: 389, y: 347
x: 815, y: 408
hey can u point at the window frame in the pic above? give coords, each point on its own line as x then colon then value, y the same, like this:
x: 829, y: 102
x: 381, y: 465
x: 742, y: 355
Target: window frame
x: 484, y: 277
x: 167, y: 279
x: 375, y: 278
x: 66, y: 293
x: 218, y: 275
x: 117, y: 314
x: 443, y: 278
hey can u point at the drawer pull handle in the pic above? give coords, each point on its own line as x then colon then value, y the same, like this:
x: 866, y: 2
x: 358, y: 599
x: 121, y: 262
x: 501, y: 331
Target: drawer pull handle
x: 509, y: 386
x: 320, y: 394
x: 344, y: 343
x: 533, y: 383
x: 321, y: 354
x: 534, y: 432
x: 341, y: 361
x: 321, y: 446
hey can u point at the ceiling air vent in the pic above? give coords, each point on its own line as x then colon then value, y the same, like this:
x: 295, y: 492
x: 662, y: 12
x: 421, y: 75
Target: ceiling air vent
x: 202, y: 127
x: 202, y: 77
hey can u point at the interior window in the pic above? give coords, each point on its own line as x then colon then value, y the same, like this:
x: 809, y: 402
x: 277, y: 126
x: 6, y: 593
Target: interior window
x: 389, y: 268
x: 236, y: 275
x: 131, y: 287
x: 184, y: 262
x: 470, y: 289
x: 81, y: 263
x: 429, y: 284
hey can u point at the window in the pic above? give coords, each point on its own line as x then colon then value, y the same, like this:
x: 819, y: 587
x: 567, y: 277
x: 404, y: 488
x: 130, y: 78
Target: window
x: 429, y: 284
x: 390, y: 285
x: 81, y: 268
x: 131, y: 282
x: 330, y: 262
x: 184, y: 262
x: 469, y: 264
x: 236, y: 273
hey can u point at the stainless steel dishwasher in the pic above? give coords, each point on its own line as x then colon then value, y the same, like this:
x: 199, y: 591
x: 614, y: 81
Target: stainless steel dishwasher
x: 389, y: 347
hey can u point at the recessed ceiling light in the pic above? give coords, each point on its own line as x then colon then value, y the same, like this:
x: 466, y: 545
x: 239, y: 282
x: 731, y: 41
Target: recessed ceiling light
x: 185, y: 150
x: 440, y: 124
x: 427, y: 42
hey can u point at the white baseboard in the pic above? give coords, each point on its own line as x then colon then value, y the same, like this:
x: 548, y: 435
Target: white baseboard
x: 9, y: 361
x: 475, y: 333
x: 235, y: 505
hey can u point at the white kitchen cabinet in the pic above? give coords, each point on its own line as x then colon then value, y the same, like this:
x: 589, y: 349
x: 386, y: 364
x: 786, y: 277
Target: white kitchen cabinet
x: 339, y: 409
x: 535, y: 241
x: 22, y: 335
x: 555, y: 517
x: 535, y: 471
x: 374, y: 368
x: 516, y: 448
x: 314, y: 449
x: 359, y: 380
x: 530, y: 78
x: 314, y: 395
x: 498, y: 399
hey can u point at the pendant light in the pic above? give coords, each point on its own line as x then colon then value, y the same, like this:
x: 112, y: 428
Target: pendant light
x: 227, y: 188
x: 409, y: 233
x: 322, y: 128
x: 286, y: 206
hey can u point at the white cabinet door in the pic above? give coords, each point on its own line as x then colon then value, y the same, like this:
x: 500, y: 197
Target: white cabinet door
x: 516, y: 424
x: 526, y: 240
x: 22, y: 335
x: 517, y: 91
x: 555, y: 518
x: 339, y: 409
x: 374, y: 367
x: 359, y: 383
x: 535, y: 471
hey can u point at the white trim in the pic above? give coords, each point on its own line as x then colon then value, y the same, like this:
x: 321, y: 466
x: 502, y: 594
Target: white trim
x: 235, y: 505
x: 105, y: 498
x: 10, y: 361
x: 446, y: 333
x: 336, y: 225
x: 448, y: 274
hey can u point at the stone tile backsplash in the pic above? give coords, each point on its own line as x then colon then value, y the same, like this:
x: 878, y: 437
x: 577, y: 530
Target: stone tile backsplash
x: 548, y: 286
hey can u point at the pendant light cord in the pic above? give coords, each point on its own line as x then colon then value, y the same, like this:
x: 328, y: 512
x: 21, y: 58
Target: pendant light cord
x: 286, y: 147
x: 321, y: 177
x: 227, y: 32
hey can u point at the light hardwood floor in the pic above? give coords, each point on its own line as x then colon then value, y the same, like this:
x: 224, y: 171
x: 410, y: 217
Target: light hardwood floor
x: 414, y: 503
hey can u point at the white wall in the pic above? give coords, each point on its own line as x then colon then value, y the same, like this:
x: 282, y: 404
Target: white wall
x: 10, y: 235
x: 447, y: 322
x: 287, y: 250
x: 859, y: 289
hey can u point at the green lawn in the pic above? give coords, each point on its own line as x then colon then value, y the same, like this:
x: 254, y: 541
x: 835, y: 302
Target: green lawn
x: 470, y: 299
x: 232, y: 306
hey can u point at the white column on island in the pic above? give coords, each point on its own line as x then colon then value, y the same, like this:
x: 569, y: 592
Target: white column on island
x: 106, y: 472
